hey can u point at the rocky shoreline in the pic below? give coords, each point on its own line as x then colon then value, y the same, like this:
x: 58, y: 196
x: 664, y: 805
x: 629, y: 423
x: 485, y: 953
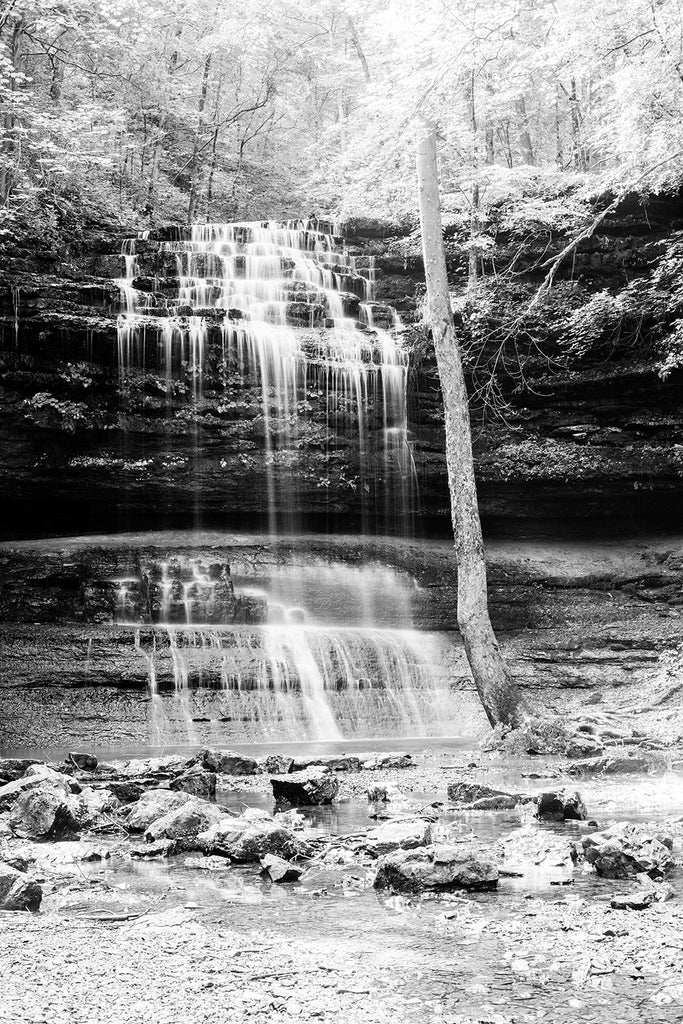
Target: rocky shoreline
x: 437, y: 839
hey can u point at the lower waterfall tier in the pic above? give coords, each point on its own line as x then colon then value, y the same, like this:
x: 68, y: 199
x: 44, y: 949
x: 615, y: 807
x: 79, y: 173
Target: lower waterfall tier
x: 313, y: 638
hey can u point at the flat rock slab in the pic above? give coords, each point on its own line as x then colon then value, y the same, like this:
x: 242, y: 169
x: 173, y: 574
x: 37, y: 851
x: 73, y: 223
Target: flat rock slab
x: 436, y: 869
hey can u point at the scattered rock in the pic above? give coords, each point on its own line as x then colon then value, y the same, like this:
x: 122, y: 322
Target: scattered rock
x: 247, y: 842
x: 160, y: 848
x: 35, y: 775
x: 436, y: 868
x: 277, y: 764
x: 385, y: 761
x: 152, y: 805
x: 303, y: 789
x: 126, y: 792
x: 86, y: 762
x: 333, y: 762
x: 610, y: 766
x: 561, y: 805
x: 12, y: 768
x: 280, y: 870
x: 47, y: 811
x: 95, y: 804
x: 581, y: 745
x: 383, y: 793
x: 530, y: 846
x: 227, y: 762
x: 185, y: 823
x: 403, y: 834
x: 626, y: 849
x: 197, y: 781
x: 17, y: 890
x: 473, y: 797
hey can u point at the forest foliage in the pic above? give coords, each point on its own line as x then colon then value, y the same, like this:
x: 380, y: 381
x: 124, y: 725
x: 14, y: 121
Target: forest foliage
x: 158, y: 110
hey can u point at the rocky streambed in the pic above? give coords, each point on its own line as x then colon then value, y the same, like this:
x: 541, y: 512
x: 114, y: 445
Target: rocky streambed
x: 448, y: 886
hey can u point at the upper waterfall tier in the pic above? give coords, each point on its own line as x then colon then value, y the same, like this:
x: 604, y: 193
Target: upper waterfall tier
x: 286, y: 306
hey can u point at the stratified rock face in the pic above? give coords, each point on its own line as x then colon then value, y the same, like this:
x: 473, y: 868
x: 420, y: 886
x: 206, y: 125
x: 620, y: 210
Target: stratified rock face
x: 626, y: 849
x: 436, y: 869
x: 303, y: 789
x: 17, y: 890
x: 596, y: 441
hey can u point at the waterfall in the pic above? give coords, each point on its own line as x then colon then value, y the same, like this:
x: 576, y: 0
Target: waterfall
x: 284, y: 672
x: 322, y: 650
x: 288, y: 305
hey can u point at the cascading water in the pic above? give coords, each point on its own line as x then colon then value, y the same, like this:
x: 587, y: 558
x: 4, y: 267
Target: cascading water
x: 357, y: 670
x: 283, y: 304
x: 286, y: 306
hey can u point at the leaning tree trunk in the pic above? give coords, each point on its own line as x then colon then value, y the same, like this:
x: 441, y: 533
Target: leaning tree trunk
x: 499, y: 695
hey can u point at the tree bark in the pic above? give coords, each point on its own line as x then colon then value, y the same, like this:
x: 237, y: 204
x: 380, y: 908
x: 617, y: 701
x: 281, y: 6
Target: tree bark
x: 497, y: 691
x: 525, y: 147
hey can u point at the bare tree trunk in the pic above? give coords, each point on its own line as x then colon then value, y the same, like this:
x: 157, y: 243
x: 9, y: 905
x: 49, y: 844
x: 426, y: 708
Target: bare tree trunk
x: 525, y: 147
x: 499, y: 695
x: 192, y: 205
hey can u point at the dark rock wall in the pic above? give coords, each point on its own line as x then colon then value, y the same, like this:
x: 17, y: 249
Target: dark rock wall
x: 590, y: 445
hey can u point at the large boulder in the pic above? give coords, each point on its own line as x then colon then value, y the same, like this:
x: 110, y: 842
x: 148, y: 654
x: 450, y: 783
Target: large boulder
x: 46, y: 811
x: 303, y: 789
x: 96, y: 805
x: 185, y: 823
x: 12, y: 768
x: 561, y: 805
x: 228, y: 762
x: 197, y: 782
x: 83, y: 761
x: 17, y: 890
x: 34, y: 776
x: 154, y: 804
x: 626, y: 849
x: 246, y: 842
x: 400, y: 834
x: 437, y: 869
